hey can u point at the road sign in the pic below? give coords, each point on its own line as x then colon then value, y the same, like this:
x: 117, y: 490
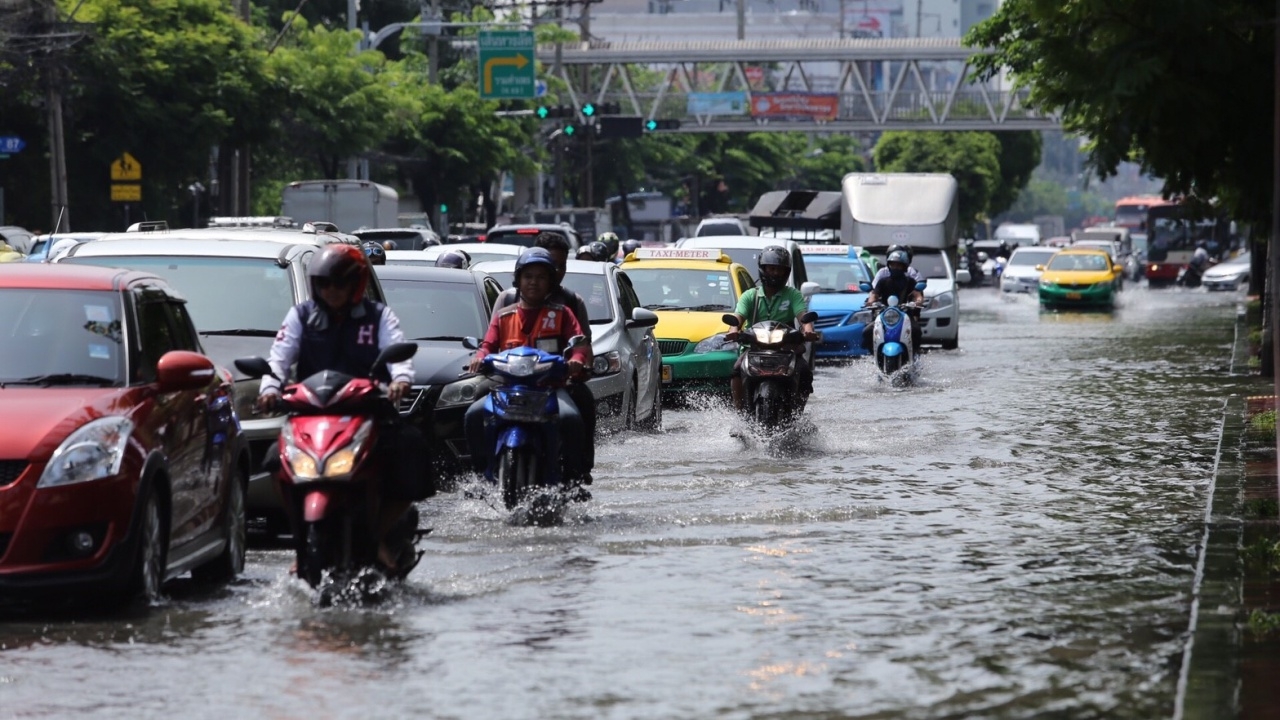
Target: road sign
x: 539, y: 88
x: 126, y: 193
x: 126, y: 167
x: 11, y: 144
x: 506, y: 65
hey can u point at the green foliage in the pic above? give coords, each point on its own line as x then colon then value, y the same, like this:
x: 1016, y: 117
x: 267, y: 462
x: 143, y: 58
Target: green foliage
x: 1264, y: 423
x: 1019, y: 157
x: 973, y: 158
x: 1262, y: 623
x: 1174, y: 88
x: 1262, y: 508
x: 1262, y: 555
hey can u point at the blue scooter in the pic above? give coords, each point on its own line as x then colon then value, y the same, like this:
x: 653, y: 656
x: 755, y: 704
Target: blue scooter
x: 891, y: 338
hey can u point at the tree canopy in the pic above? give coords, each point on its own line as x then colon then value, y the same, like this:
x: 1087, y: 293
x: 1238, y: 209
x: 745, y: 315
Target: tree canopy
x: 1183, y: 87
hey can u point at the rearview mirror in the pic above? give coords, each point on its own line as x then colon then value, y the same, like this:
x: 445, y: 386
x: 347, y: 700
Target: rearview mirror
x: 254, y: 367
x: 730, y: 319
x: 575, y: 341
x: 864, y: 286
x: 809, y: 288
x: 922, y: 285
x: 183, y: 370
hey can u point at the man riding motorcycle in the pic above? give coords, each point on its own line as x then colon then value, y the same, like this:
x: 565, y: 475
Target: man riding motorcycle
x: 536, y: 320
x: 883, y: 272
x: 340, y: 329
x: 376, y: 254
x: 896, y: 281
x: 630, y: 246
x: 773, y: 299
x: 457, y: 259
x: 611, y: 241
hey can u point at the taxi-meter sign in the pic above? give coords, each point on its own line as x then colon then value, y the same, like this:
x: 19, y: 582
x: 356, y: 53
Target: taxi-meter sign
x: 126, y: 168
x: 677, y: 254
x: 825, y: 250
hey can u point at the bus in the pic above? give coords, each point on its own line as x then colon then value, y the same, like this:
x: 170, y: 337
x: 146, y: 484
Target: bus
x: 1173, y: 232
x: 1131, y: 212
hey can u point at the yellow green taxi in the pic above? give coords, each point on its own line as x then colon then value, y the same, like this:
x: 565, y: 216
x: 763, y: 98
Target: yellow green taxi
x: 1080, y: 277
x: 690, y: 290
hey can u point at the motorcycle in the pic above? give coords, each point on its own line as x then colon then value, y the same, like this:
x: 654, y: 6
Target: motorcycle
x: 328, y: 473
x: 523, y: 429
x: 891, y: 343
x: 1192, y: 273
x: 770, y: 384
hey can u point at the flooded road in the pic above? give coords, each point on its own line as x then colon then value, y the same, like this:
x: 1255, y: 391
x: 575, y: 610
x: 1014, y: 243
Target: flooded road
x: 1015, y: 537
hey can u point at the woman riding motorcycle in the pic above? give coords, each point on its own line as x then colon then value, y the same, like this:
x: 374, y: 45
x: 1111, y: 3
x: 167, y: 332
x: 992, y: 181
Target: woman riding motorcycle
x: 896, y: 281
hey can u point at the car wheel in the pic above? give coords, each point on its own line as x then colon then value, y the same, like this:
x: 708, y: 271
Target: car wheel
x: 654, y: 422
x: 151, y: 558
x: 230, y: 562
x: 953, y: 343
x: 629, y: 417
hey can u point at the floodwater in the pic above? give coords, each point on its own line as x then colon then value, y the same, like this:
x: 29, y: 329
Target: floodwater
x: 1014, y: 537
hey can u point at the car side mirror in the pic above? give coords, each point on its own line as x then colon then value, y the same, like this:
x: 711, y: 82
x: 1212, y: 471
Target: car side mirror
x: 963, y: 277
x: 642, y: 318
x: 864, y: 286
x: 809, y: 288
x: 1117, y: 268
x: 254, y: 367
x: 731, y: 320
x: 470, y: 343
x: 183, y: 370
x: 1039, y: 268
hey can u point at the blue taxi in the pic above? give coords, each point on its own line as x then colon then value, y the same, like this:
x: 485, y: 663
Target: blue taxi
x: 839, y: 271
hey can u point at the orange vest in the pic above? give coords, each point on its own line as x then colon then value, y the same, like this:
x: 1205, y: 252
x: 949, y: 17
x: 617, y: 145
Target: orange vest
x: 543, y: 335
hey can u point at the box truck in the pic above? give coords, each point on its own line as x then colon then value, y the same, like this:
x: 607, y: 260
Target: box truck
x: 349, y: 204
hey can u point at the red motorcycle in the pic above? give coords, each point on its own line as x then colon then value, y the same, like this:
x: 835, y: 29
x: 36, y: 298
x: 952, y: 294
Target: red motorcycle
x: 328, y: 473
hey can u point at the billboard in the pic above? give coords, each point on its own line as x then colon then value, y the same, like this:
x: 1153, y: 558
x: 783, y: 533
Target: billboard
x: 719, y: 103
x: 815, y: 106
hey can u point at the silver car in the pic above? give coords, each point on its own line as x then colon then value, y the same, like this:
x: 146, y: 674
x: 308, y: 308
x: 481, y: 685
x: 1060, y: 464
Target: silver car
x: 626, y: 377
x: 1021, y: 273
x: 1228, y: 274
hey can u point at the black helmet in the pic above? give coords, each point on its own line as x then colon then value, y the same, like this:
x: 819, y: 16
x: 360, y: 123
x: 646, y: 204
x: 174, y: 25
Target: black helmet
x: 375, y: 253
x: 630, y: 246
x: 535, y: 256
x: 904, y: 248
x: 898, y: 256
x: 610, y: 240
x: 777, y: 256
x: 454, y: 259
x: 341, y: 263
x: 599, y: 251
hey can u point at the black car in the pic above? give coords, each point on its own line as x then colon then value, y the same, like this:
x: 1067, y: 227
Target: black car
x: 526, y: 234
x: 437, y: 308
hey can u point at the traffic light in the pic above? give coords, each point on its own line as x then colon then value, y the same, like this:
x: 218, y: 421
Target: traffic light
x: 655, y: 124
x: 444, y: 208
x: 569, y: 130
x: 547, y: 112
x: 605, y: 108
x: 620, y: 126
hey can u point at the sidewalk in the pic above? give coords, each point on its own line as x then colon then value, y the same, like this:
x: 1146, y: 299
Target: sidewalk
x: 1228, y: 669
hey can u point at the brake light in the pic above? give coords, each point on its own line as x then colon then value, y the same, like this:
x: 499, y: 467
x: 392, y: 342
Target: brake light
x: 481, y: 238
x: 528, y: 231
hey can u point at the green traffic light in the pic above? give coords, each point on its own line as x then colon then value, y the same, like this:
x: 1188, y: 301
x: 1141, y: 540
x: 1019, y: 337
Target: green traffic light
x: 588, y: 109
x: 543, y: 111
x: 651, y: 125
x: 444, y: 208
x: 568, y: 129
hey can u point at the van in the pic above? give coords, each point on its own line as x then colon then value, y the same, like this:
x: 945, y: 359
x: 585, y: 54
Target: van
x: 1016, y: 234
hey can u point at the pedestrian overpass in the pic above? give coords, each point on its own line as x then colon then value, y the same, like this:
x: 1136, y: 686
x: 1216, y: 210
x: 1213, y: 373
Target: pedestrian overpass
x: 807, y: 85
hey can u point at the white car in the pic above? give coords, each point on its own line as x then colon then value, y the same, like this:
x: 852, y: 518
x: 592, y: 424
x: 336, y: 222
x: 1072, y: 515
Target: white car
x: 479, y: 252
x: 1021, y: 273
x: 940, y: 319
x: 1228, y: 275
x: 715, y: 226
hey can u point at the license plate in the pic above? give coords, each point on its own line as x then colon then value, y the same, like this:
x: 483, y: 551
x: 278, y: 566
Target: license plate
x: 1073, y: 296
x: 666, y: 373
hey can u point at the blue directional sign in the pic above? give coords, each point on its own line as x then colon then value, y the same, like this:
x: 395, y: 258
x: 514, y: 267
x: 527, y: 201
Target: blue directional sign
x: 11, y: 144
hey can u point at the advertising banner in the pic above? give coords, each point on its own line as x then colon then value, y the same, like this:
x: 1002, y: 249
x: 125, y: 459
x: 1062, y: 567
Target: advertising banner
x: 816, y: 106
x: 721, y: 103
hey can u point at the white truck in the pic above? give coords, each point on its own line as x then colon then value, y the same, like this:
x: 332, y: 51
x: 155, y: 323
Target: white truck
x: 919, y: 210
x: 349, y: 204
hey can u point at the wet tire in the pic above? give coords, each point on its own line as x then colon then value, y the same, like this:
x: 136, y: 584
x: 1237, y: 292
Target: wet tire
x: 152, y: 551
x: 230, y: 562
x: 654, y: 422
x: 889, y: 365
x: 629, y: 418
x: 767, y: 405
x: 317, y: 554
x: 517, y: 475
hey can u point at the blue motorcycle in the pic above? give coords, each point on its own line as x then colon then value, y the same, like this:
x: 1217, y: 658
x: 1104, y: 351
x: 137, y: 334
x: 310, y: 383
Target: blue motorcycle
x: 522, y: 427
x: 891, y: 344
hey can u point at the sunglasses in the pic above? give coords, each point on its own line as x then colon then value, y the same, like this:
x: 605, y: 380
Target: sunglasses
x: 323, y: 282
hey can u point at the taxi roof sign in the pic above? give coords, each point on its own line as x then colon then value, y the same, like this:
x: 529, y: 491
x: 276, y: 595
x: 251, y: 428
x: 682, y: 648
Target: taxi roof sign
x: 678, y: 254
x: 844, y: 250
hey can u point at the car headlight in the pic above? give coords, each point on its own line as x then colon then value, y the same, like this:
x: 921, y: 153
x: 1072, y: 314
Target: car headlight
x: 940, y: 301
x: 607, y: 364
x: 714, y: 343
x: 864, y: 316
x: 1048, y: 285
x: 464, y: 391
x: 92, y: 452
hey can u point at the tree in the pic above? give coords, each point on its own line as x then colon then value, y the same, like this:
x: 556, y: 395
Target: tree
x: 973, y: 158
x: 1173, y: 86
x: 1019, y: 157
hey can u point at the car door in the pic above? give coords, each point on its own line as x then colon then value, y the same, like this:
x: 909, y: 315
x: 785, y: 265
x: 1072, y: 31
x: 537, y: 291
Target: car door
x: 644, y: 347
x: 177, y: 427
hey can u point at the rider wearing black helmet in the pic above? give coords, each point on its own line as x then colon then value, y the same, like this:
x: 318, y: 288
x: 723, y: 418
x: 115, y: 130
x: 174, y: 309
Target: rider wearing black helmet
x: 341, y: 329
x: 896, y: 281
x: 772, y: 300
x: 883, y: 272
x: 458, y: 259
x: 610, y: 240
x: 537, y: 320
x: 375, y: 253
x: 630, y: 246
x: 595, y: 252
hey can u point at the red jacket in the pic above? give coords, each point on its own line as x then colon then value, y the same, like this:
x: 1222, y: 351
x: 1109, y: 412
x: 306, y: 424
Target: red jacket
x: 547, y: 328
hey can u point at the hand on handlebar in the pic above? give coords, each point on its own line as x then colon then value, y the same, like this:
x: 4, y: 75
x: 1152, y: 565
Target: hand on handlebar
x: 812, y: 336
x: 266, y: 402
x: 731, y: 336
x: 397, y: 390
x: 577, y: 368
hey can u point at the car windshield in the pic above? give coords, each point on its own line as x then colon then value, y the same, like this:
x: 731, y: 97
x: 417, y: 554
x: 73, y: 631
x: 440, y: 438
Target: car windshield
x: 837, y: 276
x: 720, y: 229
x: 443, y: 310
x: 1030, y: 258
x: 513, y: 237
x: 593, y: 289
x: 1082, y: 261
x: 224, y: 294
x: 61, y: 337
x: 680, y: 289
x: 746, y: 257
x: 930, y: 265
x: 404, y: 239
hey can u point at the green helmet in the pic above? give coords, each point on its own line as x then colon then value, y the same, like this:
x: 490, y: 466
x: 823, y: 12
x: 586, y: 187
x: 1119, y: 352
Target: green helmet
x: 610, y: 240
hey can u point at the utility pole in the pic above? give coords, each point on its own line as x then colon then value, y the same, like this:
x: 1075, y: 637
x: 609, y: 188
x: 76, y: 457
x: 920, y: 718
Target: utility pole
x: 742, y: 19
x: 57, y: 148
x: 433, y: 52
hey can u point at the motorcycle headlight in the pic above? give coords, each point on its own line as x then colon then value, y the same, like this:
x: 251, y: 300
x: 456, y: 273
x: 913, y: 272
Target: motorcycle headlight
x: 939, y: 301
x: 770, y: 337
x: 92, y: 452
x: 343, y: 461
x: 522, y: 366
x: 464, y: 391
x: 714, y: 343
x: 607, y: 364
x: 303, y: 466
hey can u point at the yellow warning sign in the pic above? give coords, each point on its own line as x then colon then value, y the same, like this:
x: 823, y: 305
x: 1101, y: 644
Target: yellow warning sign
x: 126, y: 193
x: 126, y: 167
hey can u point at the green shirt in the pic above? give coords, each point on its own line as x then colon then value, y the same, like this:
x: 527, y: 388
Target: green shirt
x: 785, y: 306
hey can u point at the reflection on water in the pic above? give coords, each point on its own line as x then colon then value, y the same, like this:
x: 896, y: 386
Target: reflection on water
x: 1014, y: 537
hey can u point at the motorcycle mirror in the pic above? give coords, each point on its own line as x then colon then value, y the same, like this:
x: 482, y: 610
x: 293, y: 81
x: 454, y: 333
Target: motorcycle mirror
x: 254, y: 367
x: 808, y: 317
x: 575, y: 341
x: 731, y: 320
x: 470, y: 343
x: 921, y: 285
x: 864, y: 286
x: 396, y: 353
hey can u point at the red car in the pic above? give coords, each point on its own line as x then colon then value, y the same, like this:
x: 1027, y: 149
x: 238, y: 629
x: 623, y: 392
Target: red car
x: 121, y: 461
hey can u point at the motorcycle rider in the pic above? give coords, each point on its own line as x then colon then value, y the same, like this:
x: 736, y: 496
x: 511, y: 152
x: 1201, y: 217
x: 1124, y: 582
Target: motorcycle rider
x: 610, y: 240
x: 536, y: 320
x: 558, y: 247
x: 773, y: 299
x: 341, y: 329
x: 899, y: 283
x: 594, y: 252
x: 375, y: 253
x: 630, y: 246
x: 883, y: 272
x: 458, y: 259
